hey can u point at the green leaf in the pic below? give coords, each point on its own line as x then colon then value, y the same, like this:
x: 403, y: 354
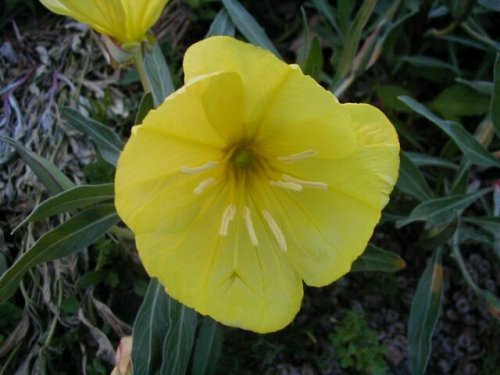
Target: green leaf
x: 493, y: 5
x: 207, y: 348
x: 424, y: 313
x: 158, y: 74
x: 411, y: 180
x: 150, y: 327
x: 326, y: 10
x: 71, y: 199
x: 471, y: 148
x: 313, y: 65
x: 107, y: 142
x: 495, y: 99
x: 440, y: 210
x: 377, y: 259
x: 430, y: 62
x: 221, y: 25
x: 492, y: 301
x: 438, y: 235
x: 423, y: 160
x: 482, y: 87
x: 179, y: 340
x: 388, y: 95
x: 351, y: 44
x: 248, y: 26
x: 488, y: 223
x: 50, y: 176
x: 68, y: 238
x: 460, y: 100
x: 145, y: 106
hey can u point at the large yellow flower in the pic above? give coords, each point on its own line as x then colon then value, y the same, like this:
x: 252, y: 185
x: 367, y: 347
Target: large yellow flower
x: 126, y: 21
x: 251, y: 179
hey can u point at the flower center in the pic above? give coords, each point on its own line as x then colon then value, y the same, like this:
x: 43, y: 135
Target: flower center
x: 243, y: 158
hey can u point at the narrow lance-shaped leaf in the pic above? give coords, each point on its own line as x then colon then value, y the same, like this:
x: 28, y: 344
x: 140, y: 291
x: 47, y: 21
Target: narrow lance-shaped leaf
x: 107, y: 142
x: 440, y: 210
x: 158, y: 75
x: 439, y: 235
x: 71, y: 199
x: 179, y: 340
x: 150, y: 327
x: 207, y: 348
x: 471, y: 148
x: 377, y: 259
x: 495, y: 98
x: 352, y: 42
x: 222, y: 25
x: 412, y: 181
x: 424, y: 313
x: 50, y: 176
x: 248, y: 26
x: 68, y: 238
x: 147, y: 103
x: 492, y: 301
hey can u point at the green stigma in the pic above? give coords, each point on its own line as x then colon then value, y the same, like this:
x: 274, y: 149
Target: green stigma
x: 243, y: 159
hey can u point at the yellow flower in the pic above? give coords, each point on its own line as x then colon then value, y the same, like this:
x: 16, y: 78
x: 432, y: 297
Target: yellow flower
x: 127, y: 21
x: 251, y: 179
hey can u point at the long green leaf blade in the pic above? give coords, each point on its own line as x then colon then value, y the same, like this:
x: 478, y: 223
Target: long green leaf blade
x: 471, y: 148
x: 412, y: 181
x: 107, y: 142
x: 150, y: 327
x: 207, y: 348
x: 74, y: 198
x: 440, y: 210
x: 379, y: 260
x: 222, y: 25
x: 248, y: 26
x: 495, y: 98
x: 424, y: 313
x: 68, y: 238
x: 158, y: 74
x: 179, y: 340
x: 51, y: 177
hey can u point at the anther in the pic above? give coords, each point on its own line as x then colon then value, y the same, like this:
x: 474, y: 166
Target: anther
x: 297, y: 157
x: 278, y: 234
x: 200, y: 168
x: 227, y: 217
x: 306, y: 183
x: 250, y: 228
x: 204, y: 184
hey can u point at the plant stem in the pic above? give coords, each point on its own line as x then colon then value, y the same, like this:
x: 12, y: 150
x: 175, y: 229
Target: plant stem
x: 141, y: 69
x: 122, y: 232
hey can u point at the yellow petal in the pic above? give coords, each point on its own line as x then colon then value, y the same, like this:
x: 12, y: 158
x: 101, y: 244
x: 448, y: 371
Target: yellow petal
x: 177, y: 135
x: 125, y: 20
x: 308, y: 117
x: 238, y: 284
x: 261, y: 72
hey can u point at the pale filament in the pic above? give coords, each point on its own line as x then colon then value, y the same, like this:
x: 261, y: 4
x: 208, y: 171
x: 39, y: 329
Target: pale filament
x: 201, y: 168
x: 297, y: 157
x: 227, y: 217
x: 278, y: 234
x: 204, y: 184
x: 286, y: 185
x: 305, y: 183
x: 249, y: 225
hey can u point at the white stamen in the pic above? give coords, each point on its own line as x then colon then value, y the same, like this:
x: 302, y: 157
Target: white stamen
x: 200, y: 168
x: 297, y: 157
x: 227, y: 217
x: 286, y: 185
x: 250, y: 228
x: 306, y: 183
x: 278, y: 234
x: 204, y: 184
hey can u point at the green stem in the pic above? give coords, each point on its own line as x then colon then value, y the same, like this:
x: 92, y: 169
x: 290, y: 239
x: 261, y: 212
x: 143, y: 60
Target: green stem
x: 141, y: 69
x: 122, y: 232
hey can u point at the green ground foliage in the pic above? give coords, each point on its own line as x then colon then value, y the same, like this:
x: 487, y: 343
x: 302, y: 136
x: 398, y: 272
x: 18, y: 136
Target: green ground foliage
x: 433, y: 66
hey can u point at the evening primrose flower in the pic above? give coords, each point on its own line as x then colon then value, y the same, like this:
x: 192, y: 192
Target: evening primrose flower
x: 250, y: 180
x: 126, y: 21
